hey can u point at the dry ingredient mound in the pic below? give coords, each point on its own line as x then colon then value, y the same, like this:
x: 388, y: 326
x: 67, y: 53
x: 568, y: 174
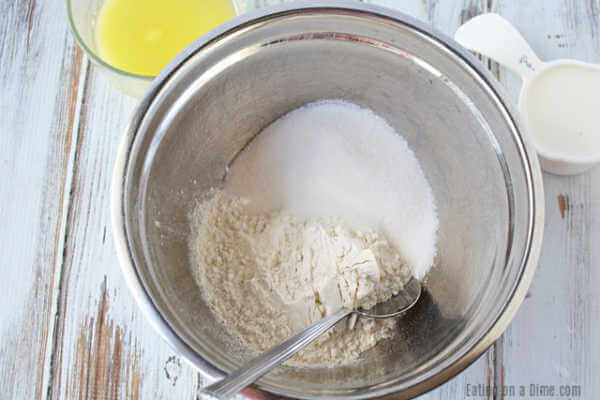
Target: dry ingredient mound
x: 267, y: 276
x: 327, y: 207
x: 334, y: 158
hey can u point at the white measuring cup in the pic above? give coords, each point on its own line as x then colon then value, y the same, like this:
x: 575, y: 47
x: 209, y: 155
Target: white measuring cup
x: 559, y: 100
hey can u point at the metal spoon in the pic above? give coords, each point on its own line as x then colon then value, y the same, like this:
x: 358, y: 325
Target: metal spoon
x: 238, y: 380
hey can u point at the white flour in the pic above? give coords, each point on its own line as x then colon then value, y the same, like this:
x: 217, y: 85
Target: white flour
x: 267, y: 276
x: 329, y: 208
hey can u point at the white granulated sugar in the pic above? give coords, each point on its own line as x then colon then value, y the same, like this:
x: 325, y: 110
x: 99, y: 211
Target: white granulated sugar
x: 333, y: 158
x: 326, y: 208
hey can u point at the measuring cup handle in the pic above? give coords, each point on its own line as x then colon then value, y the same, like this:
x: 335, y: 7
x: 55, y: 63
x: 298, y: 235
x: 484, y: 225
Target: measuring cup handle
x: 495, y: 37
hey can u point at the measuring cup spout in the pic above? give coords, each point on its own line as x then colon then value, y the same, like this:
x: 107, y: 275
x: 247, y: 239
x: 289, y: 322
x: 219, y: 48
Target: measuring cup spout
x: 495, y: 37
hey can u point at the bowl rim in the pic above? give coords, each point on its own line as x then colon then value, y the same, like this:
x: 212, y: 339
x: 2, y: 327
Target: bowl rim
x: 531, y: 168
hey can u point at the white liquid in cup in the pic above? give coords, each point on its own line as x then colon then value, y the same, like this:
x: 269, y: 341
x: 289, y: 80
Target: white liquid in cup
x: 559, y: 101
x: 563, y: 110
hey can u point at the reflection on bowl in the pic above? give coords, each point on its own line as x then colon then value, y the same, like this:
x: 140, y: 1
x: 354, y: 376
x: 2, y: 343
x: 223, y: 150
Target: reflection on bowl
x: 227, y: 87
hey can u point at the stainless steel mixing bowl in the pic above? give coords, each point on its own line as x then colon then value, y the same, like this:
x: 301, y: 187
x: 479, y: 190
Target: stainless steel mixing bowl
x: 222, y: 90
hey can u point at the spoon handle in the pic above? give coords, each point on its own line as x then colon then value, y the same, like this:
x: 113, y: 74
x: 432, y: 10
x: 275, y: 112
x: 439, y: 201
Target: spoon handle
x: 236, y: 381
x: 495, y: 37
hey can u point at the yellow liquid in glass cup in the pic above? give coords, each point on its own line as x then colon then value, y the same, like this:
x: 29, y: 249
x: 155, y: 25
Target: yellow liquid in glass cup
x: 143, y: 36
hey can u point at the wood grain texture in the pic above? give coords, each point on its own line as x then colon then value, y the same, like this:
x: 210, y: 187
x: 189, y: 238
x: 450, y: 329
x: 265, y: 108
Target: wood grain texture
x: 553, y: 340
x: 105, y: 349
x: 40, y: 75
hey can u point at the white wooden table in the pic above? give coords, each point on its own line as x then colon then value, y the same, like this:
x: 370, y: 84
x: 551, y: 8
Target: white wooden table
x: 69, y: 329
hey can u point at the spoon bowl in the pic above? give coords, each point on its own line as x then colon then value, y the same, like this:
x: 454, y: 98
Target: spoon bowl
x: 397, y: 304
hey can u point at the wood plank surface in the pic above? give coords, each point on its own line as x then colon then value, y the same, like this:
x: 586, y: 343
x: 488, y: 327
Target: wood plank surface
x: 68, y: 325
x: 105, y: 349
x: 40, y: 75
x: 554, y: 340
